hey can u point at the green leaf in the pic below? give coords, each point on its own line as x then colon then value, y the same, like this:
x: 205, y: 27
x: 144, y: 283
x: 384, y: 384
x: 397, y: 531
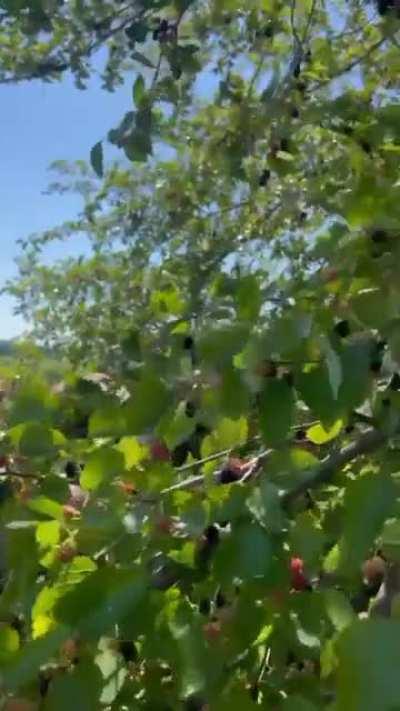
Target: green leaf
x: 107, y: 422
x: 219, y: 345
x: 80, y: 689
x: 48, y: 533
x: 176, y: 427
x: 96, y: 159
x: 9, y: 643
x: 276, y: 411
x: 298, y: 703
x: 134, y: 452
x: 248, y: 298
x: 228, y: 433
x: 390, y: 540
x: 36, y: 440
x: 247, y: 554
x: 103, y: 599
x: 307, y: 538
x: 26, y: 663
x: 368, y: 677
x: 315, y: 389
x: 264, y: 504
x: 34, y: 403
x: 356, y: 360
x: 137, y: 31
x: 47, y: 507
x: 338, y: 609
x: 138, y: 145
x: 319, y: 435
x: 234, y: 395
x: 368, y: 501
x: 150, y: 400
x: 102, y: 465
x: 139, y: 90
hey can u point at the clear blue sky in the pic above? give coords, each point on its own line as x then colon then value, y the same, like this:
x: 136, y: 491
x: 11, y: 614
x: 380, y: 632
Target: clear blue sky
x: 40, y: 123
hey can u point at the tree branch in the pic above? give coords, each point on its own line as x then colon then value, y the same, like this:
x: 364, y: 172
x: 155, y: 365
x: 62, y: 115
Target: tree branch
x: 370, y: 441
x: 354, y: 63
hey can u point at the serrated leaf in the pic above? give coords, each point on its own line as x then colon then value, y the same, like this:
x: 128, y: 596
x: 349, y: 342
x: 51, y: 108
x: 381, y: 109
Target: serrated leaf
x: 96, y: 159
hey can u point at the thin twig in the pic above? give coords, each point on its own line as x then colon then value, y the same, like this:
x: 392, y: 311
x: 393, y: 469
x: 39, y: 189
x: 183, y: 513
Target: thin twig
x: 21, y: 475
x: 293, y: 24
x: 354, y: 63
x: 195, y: 481
x: 309, y: 21
x: 204, y: 460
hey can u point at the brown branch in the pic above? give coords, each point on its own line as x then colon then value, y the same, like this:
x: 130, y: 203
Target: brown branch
x: 370, y: 441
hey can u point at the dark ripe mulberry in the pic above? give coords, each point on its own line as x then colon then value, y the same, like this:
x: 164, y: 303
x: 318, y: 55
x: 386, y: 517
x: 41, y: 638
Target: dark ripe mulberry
x: 264, y: 177
x: 300, y: 435
x: 220, y: 599
x: 229, y: 476
x: 379, y: 236
x: 296, y: 71
x: 284, y: 145
x: 72, y: 470
x: 204, y: 606
x: 180, y: 453
x: 342, y: 328
x: 190, y: 409
x: 211, y: 534
x: 188, y: 343
x: 288, y: 377
x: 128, y: 650
x: 395, y: 382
